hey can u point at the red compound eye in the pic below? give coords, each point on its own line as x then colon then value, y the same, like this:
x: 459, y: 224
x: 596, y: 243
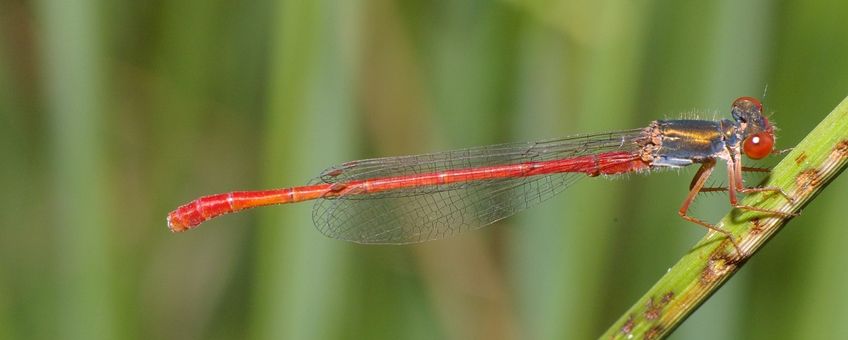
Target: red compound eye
x: 742, y: 101
x: 758, y: 145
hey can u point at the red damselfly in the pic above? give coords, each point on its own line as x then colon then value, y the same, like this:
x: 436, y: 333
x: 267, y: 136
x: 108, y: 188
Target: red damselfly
x: 409, y: 199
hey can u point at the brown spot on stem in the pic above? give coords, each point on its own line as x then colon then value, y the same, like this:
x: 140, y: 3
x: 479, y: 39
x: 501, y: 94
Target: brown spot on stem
x: 717, y: 267
x: 667, y: 297
x: 653, y: 333
x: 758, y: 227
x: 841, y: 149
x: 808, y: 181
x: 653, y: 310
x: 801, y: 158
x: 627, y: 328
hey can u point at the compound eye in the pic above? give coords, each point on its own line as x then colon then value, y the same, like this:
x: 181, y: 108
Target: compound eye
x: 758, y: 145
x: 743, y: 102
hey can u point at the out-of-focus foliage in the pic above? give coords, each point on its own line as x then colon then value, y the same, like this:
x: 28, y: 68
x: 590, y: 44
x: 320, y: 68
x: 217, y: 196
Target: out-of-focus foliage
x: 114, y: 112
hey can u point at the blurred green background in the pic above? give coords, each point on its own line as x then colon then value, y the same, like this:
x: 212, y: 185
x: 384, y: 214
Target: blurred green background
x: 114, y: 112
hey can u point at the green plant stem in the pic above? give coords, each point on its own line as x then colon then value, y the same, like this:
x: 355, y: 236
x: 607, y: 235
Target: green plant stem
x: 803, y: 173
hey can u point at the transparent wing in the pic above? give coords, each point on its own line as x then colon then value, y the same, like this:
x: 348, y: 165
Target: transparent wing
x: 421, y: 213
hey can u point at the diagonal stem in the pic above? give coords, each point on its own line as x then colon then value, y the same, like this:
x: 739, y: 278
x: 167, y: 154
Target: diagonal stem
x: 802, y: 174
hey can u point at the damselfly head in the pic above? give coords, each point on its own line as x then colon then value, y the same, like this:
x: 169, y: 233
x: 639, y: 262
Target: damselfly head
x: 758, y: 133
